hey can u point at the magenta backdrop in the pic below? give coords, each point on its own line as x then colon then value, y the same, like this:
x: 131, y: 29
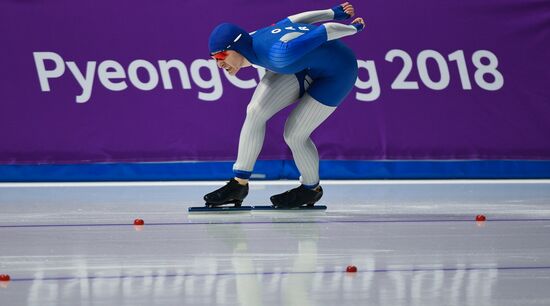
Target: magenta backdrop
x: 480, y: 69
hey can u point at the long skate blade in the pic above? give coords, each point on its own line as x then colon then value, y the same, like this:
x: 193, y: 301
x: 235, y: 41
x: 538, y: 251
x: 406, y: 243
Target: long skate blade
x: 301, y: 208
x: 220, y: 209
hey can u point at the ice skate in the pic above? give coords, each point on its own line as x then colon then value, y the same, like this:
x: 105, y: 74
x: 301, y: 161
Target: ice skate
x: 297, y: 197
x: 231, y: 193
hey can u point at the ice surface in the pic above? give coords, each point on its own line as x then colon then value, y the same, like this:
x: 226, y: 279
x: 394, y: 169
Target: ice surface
x: 413, y: 242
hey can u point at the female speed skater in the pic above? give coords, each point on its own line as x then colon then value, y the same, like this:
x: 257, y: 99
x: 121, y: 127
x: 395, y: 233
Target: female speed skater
x: 303, y: 61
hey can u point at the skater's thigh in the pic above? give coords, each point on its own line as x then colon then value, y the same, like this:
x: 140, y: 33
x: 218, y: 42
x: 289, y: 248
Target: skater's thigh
x: 275, y: 92
x: 331, y: 91
x: 306, y: 117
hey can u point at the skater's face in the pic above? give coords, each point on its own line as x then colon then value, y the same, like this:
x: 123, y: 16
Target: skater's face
x: 229, y: 60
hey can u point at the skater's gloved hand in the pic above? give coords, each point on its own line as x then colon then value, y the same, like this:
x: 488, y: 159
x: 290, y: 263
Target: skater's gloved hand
x: 343, y: 11
x: 358, y: 23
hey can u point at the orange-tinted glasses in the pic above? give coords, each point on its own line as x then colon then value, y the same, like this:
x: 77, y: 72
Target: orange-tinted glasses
x: 220, y: 55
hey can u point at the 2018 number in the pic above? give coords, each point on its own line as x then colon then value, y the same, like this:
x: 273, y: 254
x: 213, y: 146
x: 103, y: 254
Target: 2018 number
x: 482, y: 69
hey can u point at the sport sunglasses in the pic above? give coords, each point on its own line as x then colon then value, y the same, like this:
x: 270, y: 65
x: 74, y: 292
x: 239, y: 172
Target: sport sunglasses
x: 221, y: 55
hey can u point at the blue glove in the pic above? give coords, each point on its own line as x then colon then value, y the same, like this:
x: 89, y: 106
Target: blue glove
x: 339, y: 13
x: 359, y: 26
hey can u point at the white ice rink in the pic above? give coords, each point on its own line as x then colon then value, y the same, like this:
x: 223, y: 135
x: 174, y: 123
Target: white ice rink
x: 413, y: 242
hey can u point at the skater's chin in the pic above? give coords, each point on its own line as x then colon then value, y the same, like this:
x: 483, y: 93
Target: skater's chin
x: 233, y: 71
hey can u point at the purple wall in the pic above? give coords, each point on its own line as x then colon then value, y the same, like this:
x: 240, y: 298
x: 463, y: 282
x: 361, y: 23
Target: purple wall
x: 123, y: 110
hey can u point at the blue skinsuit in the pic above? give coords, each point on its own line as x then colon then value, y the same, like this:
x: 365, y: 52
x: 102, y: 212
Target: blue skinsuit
x: 331, y: 64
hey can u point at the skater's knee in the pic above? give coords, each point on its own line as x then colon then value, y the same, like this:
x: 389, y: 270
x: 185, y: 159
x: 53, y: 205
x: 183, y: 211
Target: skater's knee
x: 293, y: 137
x: 254, y: 111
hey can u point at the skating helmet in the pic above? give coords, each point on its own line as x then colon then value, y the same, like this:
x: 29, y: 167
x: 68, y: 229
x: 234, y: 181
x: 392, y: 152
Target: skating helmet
x: 227, y: 36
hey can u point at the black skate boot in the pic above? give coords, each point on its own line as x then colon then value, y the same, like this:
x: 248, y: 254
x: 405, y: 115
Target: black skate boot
x: 231, y: 193
x: 297, y: 197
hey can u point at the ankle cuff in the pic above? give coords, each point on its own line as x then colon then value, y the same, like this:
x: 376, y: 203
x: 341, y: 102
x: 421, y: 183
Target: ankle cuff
x: 245, y: 175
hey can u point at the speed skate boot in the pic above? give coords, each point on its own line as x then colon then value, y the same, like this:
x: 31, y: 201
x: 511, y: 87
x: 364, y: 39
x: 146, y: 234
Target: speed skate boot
x: 231, y: 193
x: 297, y: 197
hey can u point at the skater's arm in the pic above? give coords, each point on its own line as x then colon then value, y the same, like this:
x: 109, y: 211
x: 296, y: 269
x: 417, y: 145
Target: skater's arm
x: 336, y: 30
x: 284, y: 53
x: 339, y: 12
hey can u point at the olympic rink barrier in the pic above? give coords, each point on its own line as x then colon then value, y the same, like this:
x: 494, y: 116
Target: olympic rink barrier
x: 276, y: 170
x: 440, y: 84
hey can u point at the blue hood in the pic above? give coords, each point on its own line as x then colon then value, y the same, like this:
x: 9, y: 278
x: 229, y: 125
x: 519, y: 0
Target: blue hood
x: 227, y: 36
